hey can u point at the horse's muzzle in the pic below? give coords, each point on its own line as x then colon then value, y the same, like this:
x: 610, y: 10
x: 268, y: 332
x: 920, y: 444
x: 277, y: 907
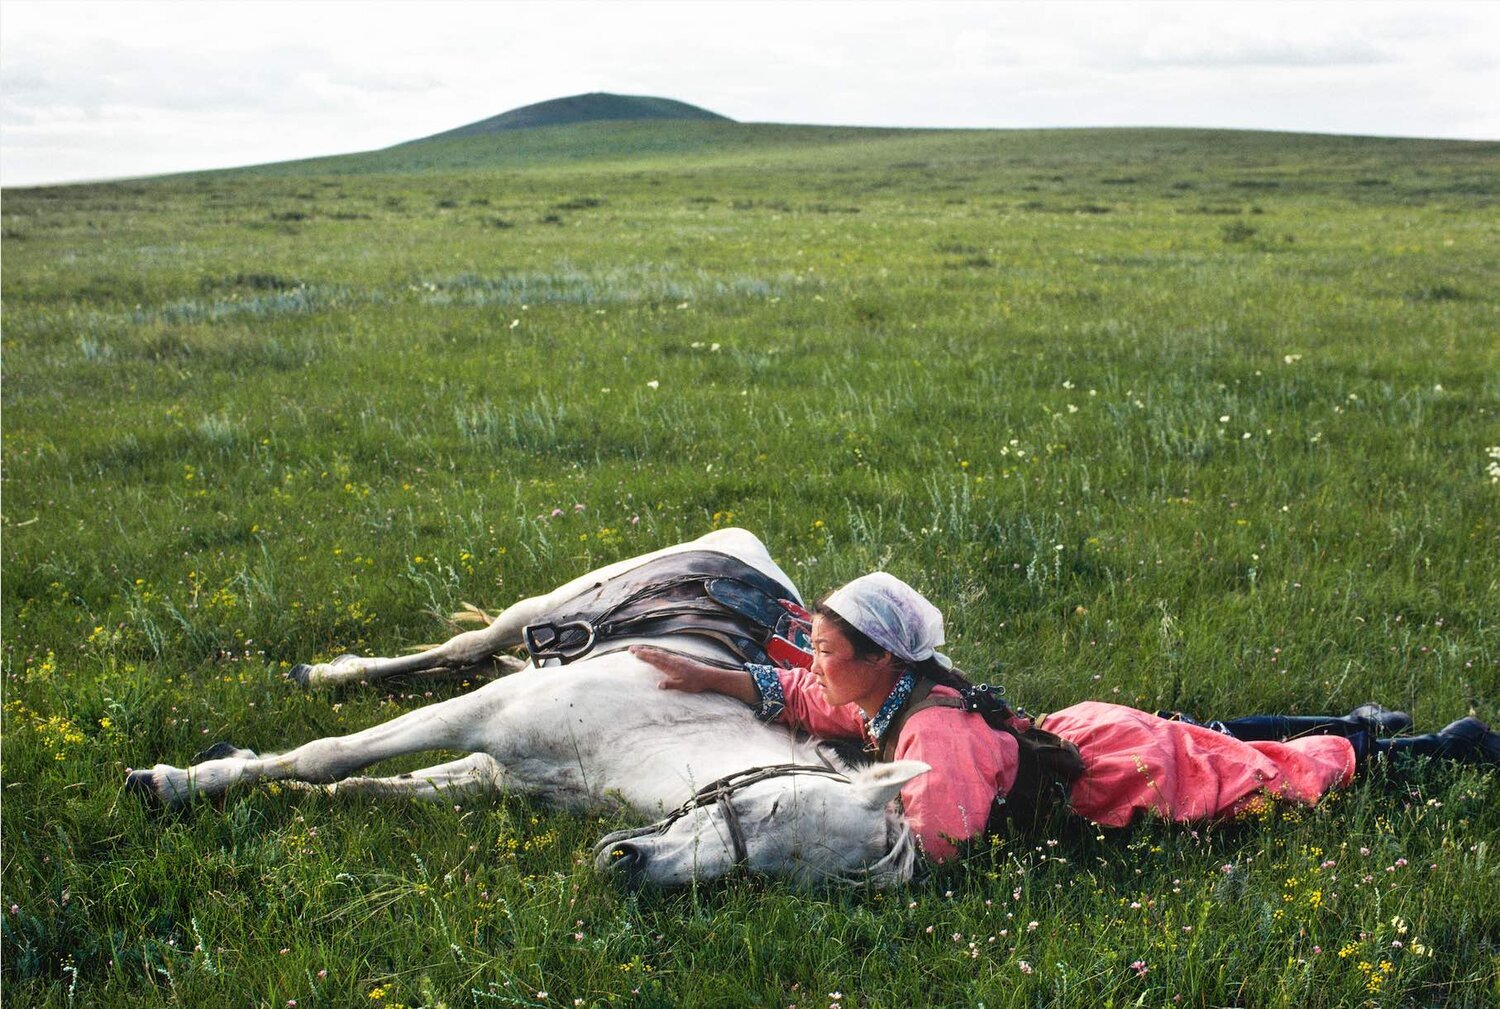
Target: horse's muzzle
x: 617, y: 855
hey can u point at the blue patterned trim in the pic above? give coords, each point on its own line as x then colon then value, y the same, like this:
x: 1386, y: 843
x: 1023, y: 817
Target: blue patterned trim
x: 772, y: 698
x: 897, y: 697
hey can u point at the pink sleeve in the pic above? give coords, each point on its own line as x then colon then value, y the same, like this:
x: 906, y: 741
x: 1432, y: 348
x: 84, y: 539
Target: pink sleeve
x: 807, y: 708
x: 969, y: 760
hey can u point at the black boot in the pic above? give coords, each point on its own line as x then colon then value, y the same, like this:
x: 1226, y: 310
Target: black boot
x: 1467, y: 740
x: 1381, y: 721
x: 1370, y: 719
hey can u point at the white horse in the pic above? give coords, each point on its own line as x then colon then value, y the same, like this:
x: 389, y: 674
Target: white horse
x: 598, y: 733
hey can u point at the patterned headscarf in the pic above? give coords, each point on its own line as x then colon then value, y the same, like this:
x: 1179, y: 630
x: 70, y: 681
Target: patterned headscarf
x: 892, y: 614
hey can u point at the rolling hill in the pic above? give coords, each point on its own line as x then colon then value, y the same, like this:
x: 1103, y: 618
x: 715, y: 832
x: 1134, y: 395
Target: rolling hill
x: 594, y: 107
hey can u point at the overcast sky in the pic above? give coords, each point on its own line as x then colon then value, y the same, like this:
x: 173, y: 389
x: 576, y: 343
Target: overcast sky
x: 104, y: 90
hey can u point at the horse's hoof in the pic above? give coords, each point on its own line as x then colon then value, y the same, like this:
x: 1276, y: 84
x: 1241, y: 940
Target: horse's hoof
x: 300, y: 674
x: 141, y: 784
x: 508, y: 664
x: 218, y: 751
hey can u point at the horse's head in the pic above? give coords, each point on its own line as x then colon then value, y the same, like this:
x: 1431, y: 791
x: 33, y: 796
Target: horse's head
x: 806, y: 824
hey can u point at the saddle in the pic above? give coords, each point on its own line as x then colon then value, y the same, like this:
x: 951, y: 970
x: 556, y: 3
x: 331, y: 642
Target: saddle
x: 745, y: 612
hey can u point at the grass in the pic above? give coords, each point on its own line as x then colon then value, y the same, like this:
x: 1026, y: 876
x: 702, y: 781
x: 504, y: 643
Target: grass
x: 1179, y: 419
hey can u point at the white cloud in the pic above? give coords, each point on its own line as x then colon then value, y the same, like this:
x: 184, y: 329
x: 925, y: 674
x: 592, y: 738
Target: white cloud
x: 111, y: 89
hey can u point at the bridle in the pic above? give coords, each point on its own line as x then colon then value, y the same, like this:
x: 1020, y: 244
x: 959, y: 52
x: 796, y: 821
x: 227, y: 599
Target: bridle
x: 720, y: 792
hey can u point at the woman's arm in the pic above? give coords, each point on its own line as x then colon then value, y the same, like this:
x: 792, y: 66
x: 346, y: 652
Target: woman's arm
x: 794, y: 698
x: 693, y: 677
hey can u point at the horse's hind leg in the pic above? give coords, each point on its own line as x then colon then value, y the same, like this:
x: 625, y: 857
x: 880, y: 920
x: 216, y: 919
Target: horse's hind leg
x: 472, y: 648
x: 456, y: 724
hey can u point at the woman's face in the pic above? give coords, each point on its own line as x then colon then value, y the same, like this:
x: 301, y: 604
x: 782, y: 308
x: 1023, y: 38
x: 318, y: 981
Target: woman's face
x: 845, y: 677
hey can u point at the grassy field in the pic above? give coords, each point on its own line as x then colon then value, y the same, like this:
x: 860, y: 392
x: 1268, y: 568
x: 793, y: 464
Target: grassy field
x: 1172, y: 418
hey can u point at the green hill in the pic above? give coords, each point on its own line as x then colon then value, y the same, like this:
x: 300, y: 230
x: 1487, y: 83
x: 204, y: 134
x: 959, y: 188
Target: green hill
x: 1073, y: 168
x: 594, y: 107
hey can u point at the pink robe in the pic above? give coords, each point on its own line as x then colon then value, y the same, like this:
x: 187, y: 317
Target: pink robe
x: 1137, y: 764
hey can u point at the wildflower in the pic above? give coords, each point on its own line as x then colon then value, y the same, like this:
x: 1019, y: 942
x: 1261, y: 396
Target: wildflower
x: 1140, y: 968
x: 1025, y: 967
x: 556, y: 512
x: 291, y: 1002
x: 653, y: 384
x: 322, y: 973
x: 1032, y: 926
x: 284, y: 951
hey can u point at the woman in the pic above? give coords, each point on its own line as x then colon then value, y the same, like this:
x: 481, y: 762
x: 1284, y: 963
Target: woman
x: 876, y: 676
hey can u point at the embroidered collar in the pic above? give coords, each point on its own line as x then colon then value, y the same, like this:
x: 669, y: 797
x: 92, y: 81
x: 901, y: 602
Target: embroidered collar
x: 876, y: 727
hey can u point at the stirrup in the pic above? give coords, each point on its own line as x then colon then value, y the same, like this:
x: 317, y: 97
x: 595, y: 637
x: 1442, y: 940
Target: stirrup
x: 545, y: 641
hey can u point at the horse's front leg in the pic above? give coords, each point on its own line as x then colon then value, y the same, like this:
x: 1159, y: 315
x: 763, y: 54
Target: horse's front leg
x: 478, y: 774
x: 463, y: 651
x: 472, y: 648
x: 456, y: 724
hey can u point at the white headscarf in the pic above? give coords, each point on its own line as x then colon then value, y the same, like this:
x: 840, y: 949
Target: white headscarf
x: 892, y: 614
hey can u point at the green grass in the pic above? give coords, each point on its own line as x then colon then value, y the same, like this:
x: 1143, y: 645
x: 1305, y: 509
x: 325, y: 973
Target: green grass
x: 260, y: 417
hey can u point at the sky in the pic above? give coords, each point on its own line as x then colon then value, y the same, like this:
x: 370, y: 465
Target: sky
x: 126, y: 88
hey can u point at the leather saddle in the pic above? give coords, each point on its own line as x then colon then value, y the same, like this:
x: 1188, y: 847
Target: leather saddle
x: 749, y: 614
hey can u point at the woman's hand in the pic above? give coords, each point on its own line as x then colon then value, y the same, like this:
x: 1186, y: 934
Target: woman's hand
x: 678, y: 671
x: 693, y: 677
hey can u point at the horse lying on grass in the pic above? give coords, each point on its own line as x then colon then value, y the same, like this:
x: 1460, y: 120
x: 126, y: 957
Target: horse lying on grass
x: 596, y: 732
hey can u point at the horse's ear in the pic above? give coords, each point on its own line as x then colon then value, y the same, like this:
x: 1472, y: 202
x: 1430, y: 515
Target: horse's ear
x: 880, y: 783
